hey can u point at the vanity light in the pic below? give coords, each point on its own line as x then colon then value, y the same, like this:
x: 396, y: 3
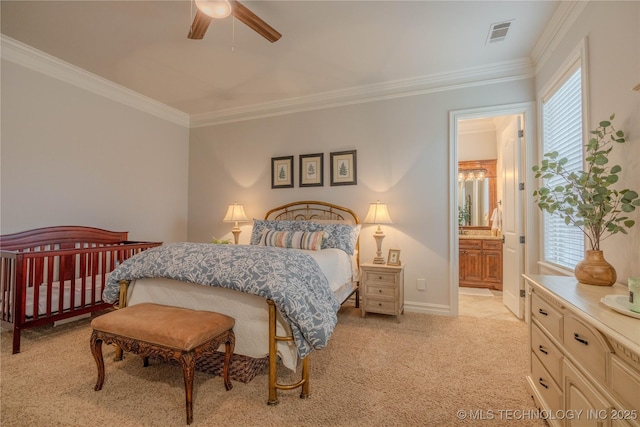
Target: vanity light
x: 471, y: 174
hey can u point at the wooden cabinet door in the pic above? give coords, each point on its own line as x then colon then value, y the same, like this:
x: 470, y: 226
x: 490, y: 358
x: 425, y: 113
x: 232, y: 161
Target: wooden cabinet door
x: 492, y: 267
x: 471, y: 265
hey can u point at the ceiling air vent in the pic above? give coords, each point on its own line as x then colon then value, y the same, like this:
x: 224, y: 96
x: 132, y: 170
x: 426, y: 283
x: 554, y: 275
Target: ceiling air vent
x: 498, y: 32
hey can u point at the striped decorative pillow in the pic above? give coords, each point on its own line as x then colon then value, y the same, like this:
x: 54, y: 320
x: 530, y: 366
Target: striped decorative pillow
x: 310, y: 240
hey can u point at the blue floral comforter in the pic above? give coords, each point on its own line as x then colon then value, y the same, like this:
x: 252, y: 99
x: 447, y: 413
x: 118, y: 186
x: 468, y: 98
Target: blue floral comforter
x: 291, y: 278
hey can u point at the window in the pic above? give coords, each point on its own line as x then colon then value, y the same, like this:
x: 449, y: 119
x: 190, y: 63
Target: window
x: 563, y: 245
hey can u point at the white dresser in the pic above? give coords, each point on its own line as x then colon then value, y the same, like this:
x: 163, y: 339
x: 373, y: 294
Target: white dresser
x: 585, y: 357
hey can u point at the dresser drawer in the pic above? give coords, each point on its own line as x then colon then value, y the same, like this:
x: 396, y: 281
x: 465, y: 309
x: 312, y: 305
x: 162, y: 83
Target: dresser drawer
x: 381, y: 291
x: 586, y: 345
x: 547, y: 315
x: 547, y: 353
x: 625, y: 383
x: 545, y: 385
x: 373, y: 277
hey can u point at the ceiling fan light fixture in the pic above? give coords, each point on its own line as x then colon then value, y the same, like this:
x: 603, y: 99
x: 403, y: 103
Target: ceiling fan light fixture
x: 215, y: 8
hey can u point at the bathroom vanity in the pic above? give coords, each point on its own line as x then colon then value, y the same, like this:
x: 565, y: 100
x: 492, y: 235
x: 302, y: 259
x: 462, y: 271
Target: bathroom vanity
x: 480, y: 259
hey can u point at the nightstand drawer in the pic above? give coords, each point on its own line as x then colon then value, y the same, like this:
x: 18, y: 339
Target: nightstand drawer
x: 586, y: 346
x: 377, y: 277
x: 548, y: 316
x: 547, y: 352
x: 380, y: 306
x: 381, y: 292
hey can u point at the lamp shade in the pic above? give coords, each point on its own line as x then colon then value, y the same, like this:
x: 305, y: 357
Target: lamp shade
x: 235, y: 213
x: 214, y: 8
x: 378, y: 214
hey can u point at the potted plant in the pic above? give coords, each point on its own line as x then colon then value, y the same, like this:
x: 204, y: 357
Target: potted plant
x: 587, y: 200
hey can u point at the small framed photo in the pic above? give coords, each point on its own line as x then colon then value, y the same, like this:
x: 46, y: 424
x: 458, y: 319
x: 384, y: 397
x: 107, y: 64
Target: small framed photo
x: 312, y: 170
x: 344, y: 168
x: 282, y: 172
x: 394, y: 257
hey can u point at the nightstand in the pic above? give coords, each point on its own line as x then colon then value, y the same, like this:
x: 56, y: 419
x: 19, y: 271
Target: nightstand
x: 382, y: 288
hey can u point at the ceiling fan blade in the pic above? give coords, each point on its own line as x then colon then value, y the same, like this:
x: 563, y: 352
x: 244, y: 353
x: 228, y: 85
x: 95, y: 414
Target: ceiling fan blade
x: 254, y: 22
x: 199, y: 25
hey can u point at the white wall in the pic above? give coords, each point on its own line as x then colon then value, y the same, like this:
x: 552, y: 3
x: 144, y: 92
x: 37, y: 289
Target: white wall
x: 480, y: 145
x: 403, y: 160
x: 70, y: 157
x: 612, y: 30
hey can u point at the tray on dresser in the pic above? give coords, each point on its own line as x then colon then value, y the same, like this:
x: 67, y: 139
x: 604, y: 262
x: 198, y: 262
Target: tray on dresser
x: 619, y: 303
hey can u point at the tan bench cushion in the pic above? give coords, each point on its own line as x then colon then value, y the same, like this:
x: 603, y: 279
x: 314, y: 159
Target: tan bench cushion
x: 163, y: 325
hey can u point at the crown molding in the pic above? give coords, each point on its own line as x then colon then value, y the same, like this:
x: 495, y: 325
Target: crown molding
x: 36, y: 60
x: 31, y: 58
x: 563, y: 18
x: 472, y: 77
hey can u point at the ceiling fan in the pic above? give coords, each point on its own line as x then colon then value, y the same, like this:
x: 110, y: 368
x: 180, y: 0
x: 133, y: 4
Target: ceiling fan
x: 208, y: 9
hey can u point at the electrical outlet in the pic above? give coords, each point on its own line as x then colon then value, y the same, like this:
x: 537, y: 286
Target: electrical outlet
x: 421, y: 284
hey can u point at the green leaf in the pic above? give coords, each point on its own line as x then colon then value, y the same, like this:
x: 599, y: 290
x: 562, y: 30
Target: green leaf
x: 605, y: 124
x: 629, y: 223
x: 616, y: 169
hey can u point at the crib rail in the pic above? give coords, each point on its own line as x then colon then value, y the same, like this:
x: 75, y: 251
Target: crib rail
x: 41, y: 284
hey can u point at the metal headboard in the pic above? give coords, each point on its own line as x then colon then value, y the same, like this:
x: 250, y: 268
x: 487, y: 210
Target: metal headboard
x: 308, y: 210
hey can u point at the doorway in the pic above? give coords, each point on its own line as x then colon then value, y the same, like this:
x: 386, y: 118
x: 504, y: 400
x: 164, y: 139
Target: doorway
x: 512, y: 127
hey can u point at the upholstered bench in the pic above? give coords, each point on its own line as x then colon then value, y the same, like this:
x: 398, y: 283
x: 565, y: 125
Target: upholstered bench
x: 169, y: 333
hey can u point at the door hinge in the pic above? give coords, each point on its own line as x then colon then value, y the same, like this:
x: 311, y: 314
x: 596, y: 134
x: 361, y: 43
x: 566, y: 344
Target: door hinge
x: 522, y: 239
x: 522, y: 295
x: 521, y: 186
x: 521, y: 133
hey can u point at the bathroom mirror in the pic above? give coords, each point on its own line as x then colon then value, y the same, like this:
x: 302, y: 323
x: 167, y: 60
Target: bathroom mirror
x: 476, y: 193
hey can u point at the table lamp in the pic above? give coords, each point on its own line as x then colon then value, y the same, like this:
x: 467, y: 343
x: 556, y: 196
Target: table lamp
x: 235, y: 214
x: 378, y: 214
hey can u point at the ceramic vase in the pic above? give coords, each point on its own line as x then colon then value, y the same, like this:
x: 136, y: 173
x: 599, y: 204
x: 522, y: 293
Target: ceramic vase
x: 595, y: 270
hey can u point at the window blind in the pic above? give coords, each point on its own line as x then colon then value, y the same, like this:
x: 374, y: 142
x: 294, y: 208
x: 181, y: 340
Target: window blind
x: 562, y: 132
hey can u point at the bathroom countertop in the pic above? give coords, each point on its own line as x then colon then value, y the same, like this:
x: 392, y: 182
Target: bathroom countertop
x: 478, y: 237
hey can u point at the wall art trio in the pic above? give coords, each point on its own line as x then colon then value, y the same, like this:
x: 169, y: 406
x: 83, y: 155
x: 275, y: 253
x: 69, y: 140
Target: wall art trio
x: 343, y: 170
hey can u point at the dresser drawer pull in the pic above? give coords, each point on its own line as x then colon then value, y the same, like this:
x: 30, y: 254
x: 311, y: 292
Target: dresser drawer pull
x: 579, y: 339
x: 541, y: 311
x: 542, y: 349
x: 379, y: 304
x: 380, y: 290
x: 379, y: 277
x: 541, y: 381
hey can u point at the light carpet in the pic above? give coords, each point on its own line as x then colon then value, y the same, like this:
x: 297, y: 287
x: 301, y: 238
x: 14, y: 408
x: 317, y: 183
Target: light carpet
x: 374, y: 372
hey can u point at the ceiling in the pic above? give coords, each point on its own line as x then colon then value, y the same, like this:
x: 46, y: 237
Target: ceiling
x: 327, y: 47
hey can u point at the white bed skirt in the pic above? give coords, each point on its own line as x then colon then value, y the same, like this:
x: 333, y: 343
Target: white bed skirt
x: 250, y: 311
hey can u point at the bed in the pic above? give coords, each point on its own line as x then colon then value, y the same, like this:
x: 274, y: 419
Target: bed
x: 267, y: 330
x: 55, y: 273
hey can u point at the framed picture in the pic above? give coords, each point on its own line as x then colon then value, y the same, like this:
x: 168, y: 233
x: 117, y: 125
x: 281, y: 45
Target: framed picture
x: 394, y: 257
x: 282, y: 172
x: 312, y: 170
x: 344, y: 168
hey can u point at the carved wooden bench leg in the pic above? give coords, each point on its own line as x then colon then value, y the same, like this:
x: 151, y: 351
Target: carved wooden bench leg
x: 96, y: 350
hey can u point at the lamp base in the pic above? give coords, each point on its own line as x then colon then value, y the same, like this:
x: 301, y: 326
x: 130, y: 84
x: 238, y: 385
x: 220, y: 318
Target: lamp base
x: 378, y: 260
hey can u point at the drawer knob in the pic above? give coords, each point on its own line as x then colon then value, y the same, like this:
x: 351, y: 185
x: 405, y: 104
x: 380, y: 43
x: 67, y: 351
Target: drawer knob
x: 542, y: 349
x: 542, y: 383
x: 541, y: 311
x: 379, y: 304
x: 379, y: 277
x: 380, y: 290
x: 580, y: 339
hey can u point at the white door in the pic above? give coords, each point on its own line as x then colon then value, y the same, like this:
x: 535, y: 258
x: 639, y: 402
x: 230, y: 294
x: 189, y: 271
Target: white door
x: 512, y: 223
